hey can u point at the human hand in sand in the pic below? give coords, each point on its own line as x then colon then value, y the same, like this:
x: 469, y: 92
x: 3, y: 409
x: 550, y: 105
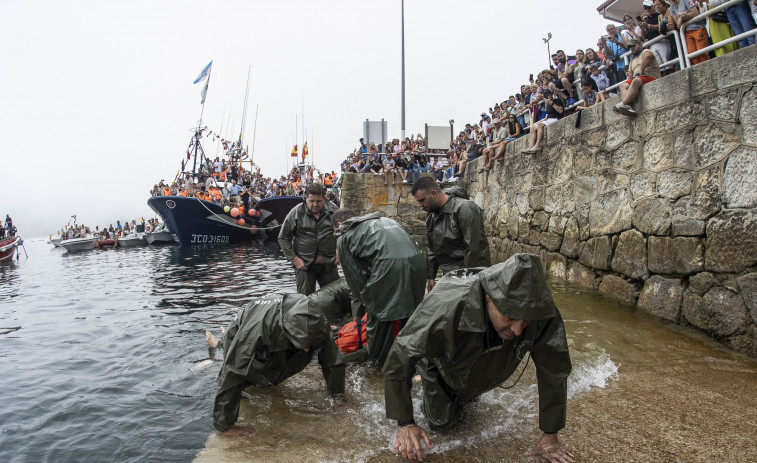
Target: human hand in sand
x: 550, y: 449
x: 237, y: 432
x: 408, y: 442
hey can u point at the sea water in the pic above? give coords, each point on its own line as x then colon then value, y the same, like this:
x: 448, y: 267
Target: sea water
x: 103, y: 358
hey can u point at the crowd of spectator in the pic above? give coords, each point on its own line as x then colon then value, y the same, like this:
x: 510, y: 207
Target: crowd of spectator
x: 229, y: 183
x: 571, y: 83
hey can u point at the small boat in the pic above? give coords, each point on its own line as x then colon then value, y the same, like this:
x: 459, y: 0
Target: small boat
x: 79, y: 244
x: 55, y: 241
x: 8, y: 248
x: 130, y: 241
x: 160, y: 236
x: 106, y: 243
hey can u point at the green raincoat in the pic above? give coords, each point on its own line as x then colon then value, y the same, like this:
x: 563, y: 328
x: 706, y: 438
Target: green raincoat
x: 264, y: 346
x: 456, y: 237
x: 303, y: 236
x: 460, y: 355
x: 336, y: 302
x: 383, y: 265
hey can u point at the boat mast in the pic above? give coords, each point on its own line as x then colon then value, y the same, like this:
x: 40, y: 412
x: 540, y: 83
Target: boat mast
x: 200, y: 128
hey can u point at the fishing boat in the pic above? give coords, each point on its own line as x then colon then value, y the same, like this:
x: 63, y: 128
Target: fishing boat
x: 195, y: 217
x: 84, y: 243
x: 133, y: 240
x: 8, y: 248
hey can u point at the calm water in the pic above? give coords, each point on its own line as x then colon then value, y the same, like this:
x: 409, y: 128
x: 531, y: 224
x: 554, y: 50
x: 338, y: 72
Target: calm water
x: 96, y: 347
x: 103, y: 358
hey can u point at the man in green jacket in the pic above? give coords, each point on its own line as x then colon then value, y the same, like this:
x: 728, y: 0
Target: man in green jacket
x: 455, y: 229
x: 385, y: 269
x: 307, y: 240
x: 273, y: 338
x: 466, y: 338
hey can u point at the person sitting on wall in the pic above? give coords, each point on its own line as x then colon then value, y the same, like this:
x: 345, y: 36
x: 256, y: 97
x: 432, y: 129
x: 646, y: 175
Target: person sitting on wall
x: 643, y: 69
x: 555, y: 111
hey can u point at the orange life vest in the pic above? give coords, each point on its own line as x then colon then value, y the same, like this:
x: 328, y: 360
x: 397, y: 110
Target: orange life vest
x: 166, y: 192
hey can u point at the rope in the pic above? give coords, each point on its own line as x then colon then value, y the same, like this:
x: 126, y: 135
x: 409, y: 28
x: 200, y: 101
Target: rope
x: 233, y: 224
x: 519, y: 376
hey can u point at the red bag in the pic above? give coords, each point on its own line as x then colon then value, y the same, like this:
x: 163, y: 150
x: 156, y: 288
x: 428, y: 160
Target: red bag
x: 348, y: 340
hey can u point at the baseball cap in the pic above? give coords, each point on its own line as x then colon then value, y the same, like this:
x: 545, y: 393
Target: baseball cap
x: 647, y: 3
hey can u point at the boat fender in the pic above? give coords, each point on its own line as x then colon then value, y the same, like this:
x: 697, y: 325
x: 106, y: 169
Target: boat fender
x: 226, y: 208
x: 253, y: 230
x: 234, y: 212
x: 240, y: 222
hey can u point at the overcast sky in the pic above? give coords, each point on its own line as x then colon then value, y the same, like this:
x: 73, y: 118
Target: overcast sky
x: 97, y: 97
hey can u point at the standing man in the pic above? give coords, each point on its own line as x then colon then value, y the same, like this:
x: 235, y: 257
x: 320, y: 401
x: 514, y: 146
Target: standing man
x: 307, y: 240
x: 466, y: 338
x: 385, y: 269
x: 455, y: 229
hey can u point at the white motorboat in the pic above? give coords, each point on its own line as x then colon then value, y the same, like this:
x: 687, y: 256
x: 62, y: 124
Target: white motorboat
x: 79, y: 244
x: 55, y: 241
x: 159, y: 237
x: 130, y: 241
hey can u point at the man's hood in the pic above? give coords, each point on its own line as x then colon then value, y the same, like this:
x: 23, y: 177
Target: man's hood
x: 347, y: 224
x: 456, y: 191
x: 518, y: 288
x: 302, y: 327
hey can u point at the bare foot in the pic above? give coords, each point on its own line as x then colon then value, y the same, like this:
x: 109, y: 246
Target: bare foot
x: 212, y: 341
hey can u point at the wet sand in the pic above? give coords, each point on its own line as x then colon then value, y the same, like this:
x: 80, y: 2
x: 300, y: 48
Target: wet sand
x: 641, y: 390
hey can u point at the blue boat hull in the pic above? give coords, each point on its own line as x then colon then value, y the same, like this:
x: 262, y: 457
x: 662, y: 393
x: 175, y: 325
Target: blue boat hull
x: 195, y: 221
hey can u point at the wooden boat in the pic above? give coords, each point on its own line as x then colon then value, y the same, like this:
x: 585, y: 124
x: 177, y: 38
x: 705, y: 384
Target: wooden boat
x: 8, y: 248
x: 106, y: 243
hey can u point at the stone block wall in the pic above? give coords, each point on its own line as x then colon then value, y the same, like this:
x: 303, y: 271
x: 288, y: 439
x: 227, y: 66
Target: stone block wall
x: 658, y: 211
x: 368, y: 193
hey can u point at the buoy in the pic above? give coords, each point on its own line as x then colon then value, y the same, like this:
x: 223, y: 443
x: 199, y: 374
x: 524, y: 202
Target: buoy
x: 240, y: 222
x: 226, y: 209
x: 253, y: 229
x: 257, y: 213
x: 234, y: 212
x: 251, y: 213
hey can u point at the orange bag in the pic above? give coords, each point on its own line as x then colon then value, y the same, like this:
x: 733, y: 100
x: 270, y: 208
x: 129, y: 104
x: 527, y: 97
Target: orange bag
x: 348, y: 340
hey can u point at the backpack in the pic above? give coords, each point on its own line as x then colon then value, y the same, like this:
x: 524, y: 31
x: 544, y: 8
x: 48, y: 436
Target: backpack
x: 347, y: 339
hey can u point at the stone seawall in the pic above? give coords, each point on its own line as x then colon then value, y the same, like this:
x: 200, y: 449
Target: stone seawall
x: 658, y: 211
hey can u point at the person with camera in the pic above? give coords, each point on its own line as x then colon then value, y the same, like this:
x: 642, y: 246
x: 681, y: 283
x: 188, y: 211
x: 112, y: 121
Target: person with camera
x: 654, y: 24
x: 614, y: 46
x: 644, y: 69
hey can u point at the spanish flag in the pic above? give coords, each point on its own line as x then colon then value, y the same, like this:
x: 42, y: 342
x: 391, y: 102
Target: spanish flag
x: 304, y: 151
x: 294, y: 151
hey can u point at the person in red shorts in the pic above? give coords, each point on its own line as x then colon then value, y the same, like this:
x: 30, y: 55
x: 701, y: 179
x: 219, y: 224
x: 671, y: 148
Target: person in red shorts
x: 643, y: 69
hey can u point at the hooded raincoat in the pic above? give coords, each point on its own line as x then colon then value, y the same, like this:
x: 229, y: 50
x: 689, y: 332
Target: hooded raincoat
x: 456, y: 237
x: 383, y: 266
x: 460, y: 355
x: 336, y: 302
x: 264, y: 346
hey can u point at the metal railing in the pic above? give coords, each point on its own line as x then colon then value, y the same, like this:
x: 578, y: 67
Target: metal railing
x: 722, y: 43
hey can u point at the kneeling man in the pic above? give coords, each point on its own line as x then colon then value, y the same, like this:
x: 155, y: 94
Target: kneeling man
x: 273, y: 338
x: 466, y: 338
